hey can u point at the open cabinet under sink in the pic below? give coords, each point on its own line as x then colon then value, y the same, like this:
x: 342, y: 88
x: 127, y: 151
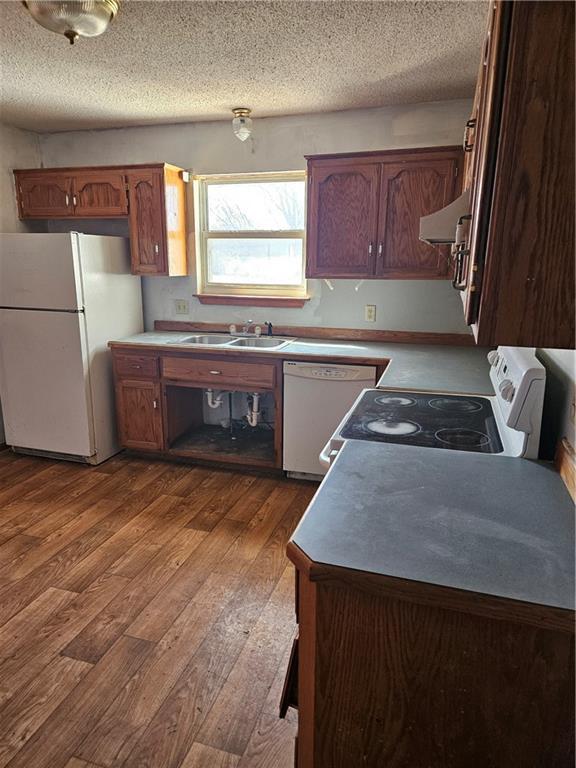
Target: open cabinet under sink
x: 227, y: 425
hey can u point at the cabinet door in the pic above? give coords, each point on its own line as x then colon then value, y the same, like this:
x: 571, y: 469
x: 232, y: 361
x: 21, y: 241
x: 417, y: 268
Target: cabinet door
x: 407, y: 192
x: 489, y: 90
x: 139, y: 414
x: 470, y: 133
x: 100, y: 194
x: 342, y: 220
x: 147, y: 240
x: 44, y: 195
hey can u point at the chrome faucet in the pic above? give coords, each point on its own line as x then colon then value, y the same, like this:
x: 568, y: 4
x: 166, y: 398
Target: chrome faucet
x: 248, y: 329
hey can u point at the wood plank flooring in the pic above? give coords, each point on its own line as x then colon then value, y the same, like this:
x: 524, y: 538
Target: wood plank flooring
x: 146, y: 615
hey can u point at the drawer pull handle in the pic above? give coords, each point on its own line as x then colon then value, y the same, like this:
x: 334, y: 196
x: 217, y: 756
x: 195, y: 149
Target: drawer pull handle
x: 155, y: 404
x: 216, y: 373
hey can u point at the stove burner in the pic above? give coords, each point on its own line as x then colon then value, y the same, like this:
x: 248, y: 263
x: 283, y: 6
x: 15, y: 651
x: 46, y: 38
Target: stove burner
x: 396, y: 428
x: 396, y: 400
x: 452, y: 405
x: 462, y: 438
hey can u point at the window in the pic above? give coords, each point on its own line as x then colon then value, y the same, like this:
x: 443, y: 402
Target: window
x: 251, y: 234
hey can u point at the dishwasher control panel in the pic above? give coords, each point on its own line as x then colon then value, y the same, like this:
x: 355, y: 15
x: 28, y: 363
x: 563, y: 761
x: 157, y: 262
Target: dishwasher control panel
x: 334, y: 372
x: 329, y: 373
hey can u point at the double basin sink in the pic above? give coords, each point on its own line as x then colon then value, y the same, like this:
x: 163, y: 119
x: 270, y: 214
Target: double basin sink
x: 223, y: 340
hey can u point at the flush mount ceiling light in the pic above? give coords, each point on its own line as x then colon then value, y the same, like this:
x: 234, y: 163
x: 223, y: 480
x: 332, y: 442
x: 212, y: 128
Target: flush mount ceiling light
x: 242, y: 123
x: 74, y: 19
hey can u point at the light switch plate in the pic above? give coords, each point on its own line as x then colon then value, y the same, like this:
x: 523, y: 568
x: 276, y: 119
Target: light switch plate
x: 370, y: 313
x: 181, y: 306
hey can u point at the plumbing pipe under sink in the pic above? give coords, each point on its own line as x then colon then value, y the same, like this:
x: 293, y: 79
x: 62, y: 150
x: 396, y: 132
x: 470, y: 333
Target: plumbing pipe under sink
x: 213, y: 402
x: 253, y: 414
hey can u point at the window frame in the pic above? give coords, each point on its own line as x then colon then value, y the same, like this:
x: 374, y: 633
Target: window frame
x: 203, y: 234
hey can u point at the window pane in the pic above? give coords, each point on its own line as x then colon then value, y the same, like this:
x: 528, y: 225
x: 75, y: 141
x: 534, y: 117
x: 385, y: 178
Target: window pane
x: 271, y: 205
x: 252, y: 261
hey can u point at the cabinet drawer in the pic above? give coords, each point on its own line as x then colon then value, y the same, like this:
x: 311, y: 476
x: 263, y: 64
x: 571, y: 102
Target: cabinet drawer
x: 219, y: 373
x: 136, y: 365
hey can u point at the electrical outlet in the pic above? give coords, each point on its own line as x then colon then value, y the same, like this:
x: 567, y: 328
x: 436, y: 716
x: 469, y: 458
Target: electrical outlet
x: 370, y: 313
x: 181, y: 306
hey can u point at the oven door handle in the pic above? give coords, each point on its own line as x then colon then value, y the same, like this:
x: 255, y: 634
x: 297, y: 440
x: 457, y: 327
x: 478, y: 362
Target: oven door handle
x: 327, y: 455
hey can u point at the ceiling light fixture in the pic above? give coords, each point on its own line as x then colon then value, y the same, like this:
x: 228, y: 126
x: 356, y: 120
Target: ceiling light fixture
x: 242, y: 123
x: 74, y: 19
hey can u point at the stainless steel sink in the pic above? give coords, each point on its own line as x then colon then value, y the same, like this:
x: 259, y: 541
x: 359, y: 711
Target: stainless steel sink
x: 211, y: 339
x: 261, y: 341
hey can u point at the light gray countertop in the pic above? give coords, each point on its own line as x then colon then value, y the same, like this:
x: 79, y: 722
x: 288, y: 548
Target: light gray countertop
x: 431, y: 368
x: 486, y: 524
x: 456, y: 370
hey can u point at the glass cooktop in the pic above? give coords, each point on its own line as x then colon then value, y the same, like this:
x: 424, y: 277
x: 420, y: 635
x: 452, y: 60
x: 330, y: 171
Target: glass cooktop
x: 456, y: 422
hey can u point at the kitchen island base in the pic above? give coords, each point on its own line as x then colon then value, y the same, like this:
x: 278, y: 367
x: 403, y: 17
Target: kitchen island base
x: 389, y: 674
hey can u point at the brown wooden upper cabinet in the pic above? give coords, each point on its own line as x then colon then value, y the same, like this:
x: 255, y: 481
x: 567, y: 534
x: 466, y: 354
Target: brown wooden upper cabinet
x: 364, y: 213
x: 44, y: 194
x: 157, y: 221
x: 516, y: 264
x: 152, y: 197
x: 100, y: 194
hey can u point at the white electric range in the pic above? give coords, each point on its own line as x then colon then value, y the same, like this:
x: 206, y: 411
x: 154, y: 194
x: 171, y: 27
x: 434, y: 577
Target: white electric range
x: 504, y: 424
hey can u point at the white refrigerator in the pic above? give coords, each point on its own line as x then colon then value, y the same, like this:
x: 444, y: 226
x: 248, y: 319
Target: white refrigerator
x: 62, y: 298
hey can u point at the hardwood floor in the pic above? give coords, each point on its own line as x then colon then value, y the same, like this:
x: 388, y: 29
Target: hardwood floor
x: 146, y: 615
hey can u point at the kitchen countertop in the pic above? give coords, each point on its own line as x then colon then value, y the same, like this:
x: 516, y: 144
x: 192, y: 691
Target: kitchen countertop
x: 434, y: 368
x: 492, y: 525
x: 454, y: 370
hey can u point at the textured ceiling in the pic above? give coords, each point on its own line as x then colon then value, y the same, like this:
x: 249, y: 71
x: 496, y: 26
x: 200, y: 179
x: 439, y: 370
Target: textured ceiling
x: 166, y: 62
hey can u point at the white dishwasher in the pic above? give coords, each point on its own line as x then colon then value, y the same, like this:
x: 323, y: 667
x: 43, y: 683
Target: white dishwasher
x: 316, y: 398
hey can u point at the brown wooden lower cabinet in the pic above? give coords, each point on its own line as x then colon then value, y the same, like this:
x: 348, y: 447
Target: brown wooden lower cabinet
x: 391, y: 675
x: 139, y: 414
x: 162, y: 406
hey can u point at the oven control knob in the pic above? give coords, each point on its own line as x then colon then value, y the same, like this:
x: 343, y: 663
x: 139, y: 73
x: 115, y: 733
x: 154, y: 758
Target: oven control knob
x: 507, y: 390
x: 493, y: 357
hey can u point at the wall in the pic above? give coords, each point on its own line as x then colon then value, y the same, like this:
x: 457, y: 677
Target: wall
x: 558, y: 417
x: 280, y: 144
x: 18, y: 149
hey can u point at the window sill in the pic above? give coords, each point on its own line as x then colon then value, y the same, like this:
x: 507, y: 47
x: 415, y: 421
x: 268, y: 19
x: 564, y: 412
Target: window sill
x: 253, y: 301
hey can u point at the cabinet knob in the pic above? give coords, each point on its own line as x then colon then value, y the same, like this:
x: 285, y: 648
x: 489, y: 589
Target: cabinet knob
x: 74, y: 200
x: 370, y: 249
x: 379, y: 249
x: 155, y: 404
x: 67, y: 199
x: 156, y: 248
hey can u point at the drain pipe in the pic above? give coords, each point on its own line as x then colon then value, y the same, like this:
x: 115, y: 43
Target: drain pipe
x: 213, y: 402
x: 253, y: 414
